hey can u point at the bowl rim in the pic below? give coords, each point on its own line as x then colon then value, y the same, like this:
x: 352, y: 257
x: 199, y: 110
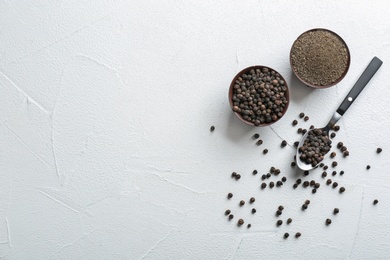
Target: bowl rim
x: 239, y: 74
x: 342, y: 75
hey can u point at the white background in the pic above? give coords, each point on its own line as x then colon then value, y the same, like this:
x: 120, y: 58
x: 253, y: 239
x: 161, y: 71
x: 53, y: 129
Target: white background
x: 105, y: 148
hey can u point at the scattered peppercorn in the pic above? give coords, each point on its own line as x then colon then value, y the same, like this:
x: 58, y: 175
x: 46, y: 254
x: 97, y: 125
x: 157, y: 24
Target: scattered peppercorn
x: 346, y: 153
x: 334, y: 173
x: 312, y: 183
x: 230, y: 195
x: 295, y: 185
x: 296, y: 144
x: 302, y: 115
x: 289, y: 220
x: 234, y: 174
x: 254, y: 172
x: 279, y: 222
x: 306, y: 118
x: 311, y: 127
x: 299, y: 131
x: 342, y: 189
x: 263, y: 185
x: 238, y: 176
x: 314, y: 190
x: 343, y: 148
x: 268, y: 175
x: 328, y: 221
x: 249, y: 225
x: 259, y: 142
x: 333, y: 154
x: 332, y: 135
x: 335, y: 184
x: 294, y: 123
x: 293, y: 164
x: 240, y: 222
x: 251, y: 200
x: 324, y: 174
x: 317, y: 185
x: 286, y: 235
x: 298, y: 234
x: 307, y: 202
x: 329, y: 181
x: 272, y: 169
x: 271, y: 184
x: 378, y: 150
x: 299, y: 181
x: 227, y: 212
x: 212, y: 128
x: 368, y: 167
x: 284, y: 179
x: 263, y: 177
x: 242, y: 203
x: 279, y: 183
x: 304, y: 131
x: 277, y: 171
x: 253, y: 211
x: 306, y: 173
x: 336, y: 128
x: 305, y: 184
x: 304, y: 206
x: 321, y: 164
x: 284, y: 143
x: 325, y: 167
x: 341, y: 172
x: 255, y: 136
x: 336, y: 210
x: 278, y: 212
x: 281, y: 207
x: 375, y: 202
x: 231, y: 216
x: 265, y: 151
x: 334, y: 164
x: 340, y: 144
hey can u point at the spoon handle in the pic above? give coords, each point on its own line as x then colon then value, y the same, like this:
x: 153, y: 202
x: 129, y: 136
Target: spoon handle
x: 360, y: 84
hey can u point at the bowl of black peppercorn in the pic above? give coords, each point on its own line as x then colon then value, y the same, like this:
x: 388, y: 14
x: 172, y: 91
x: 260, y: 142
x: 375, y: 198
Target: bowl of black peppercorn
x: 259, y: 96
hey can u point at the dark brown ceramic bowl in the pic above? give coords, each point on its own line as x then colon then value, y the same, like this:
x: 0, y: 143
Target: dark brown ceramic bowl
x: 244, y: 71
x: 342, y: 75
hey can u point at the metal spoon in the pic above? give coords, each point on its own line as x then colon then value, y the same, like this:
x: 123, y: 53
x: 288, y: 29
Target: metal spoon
x: 352, y: 95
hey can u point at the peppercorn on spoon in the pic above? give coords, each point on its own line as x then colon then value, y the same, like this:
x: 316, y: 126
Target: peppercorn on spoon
x: 368, y: 73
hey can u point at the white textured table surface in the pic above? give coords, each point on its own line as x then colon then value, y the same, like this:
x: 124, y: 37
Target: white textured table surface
x: 105, y: 148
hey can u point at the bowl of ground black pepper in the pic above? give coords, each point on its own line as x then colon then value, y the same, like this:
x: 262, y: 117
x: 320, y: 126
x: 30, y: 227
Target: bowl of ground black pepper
x: 320, y: 58
x: 259, y: 96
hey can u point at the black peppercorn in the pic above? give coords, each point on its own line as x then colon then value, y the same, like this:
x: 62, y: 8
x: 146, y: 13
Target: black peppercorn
x: 343, y: 148
x: 284, y: 179
x: 234, y: 174
x: 263, y: 177
x: 254, y: 172
x: 340, y: 144
x: 284, y: 143
x: 341, y: 172
x: 265, y: 151
x: 298, y: 234
x: 278, y: 212
x: 312, y: 183
x: 304, y: 206
x: 289, y: 220
x: 212, y: 128
x: 238, y: 176
x: 255, y: 136
x: 311, y: 127
x: 317, y: 185
x: 335, y: 211
x: 263, y: 185
x: 240, y: 222
x: 321, y: 165
x: 346, y: 153
x: 268, y: 175
x: 299, y: 131
x: 336, y: 128
x: 294, y: 123
x: 279, y: 183
x: 306, y: 173
x: 335, y: 184
x: 281, y: 207
x: 375, y: 202
x: 306, y: 118
x: 328, y: 221
x: 295, y: 185
x: 368, y: 167
x: 334, y: 164
x: 259, y: 142
x: 314, y: 190
x: 271, y: 184
x: 325, y: 167
x: 249, y: 225
x: 251, y: 200
x: 230, y: 195
x: 242, y: 203
x: 378, y: 150
x: 342, y: 189
x: 306, y: 184
x: 307, y: 202
x: 277, y: 171
x: 231, y: 216
x: 286, y: 235
x: 279, y: 222
x: 333, y: 154
x: 334, y: 173
x: 329, y: 181
x: 293, y: 164
x: 296, y: 144
x: 302, y: 115
x: 253, y: 211
x: 227, y: 212
x: 332, y: 135
x: 324, y: 174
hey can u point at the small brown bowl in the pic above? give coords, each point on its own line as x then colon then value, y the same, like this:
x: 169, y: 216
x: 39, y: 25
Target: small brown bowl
x: 244, y: 71
x: 342, y: 75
